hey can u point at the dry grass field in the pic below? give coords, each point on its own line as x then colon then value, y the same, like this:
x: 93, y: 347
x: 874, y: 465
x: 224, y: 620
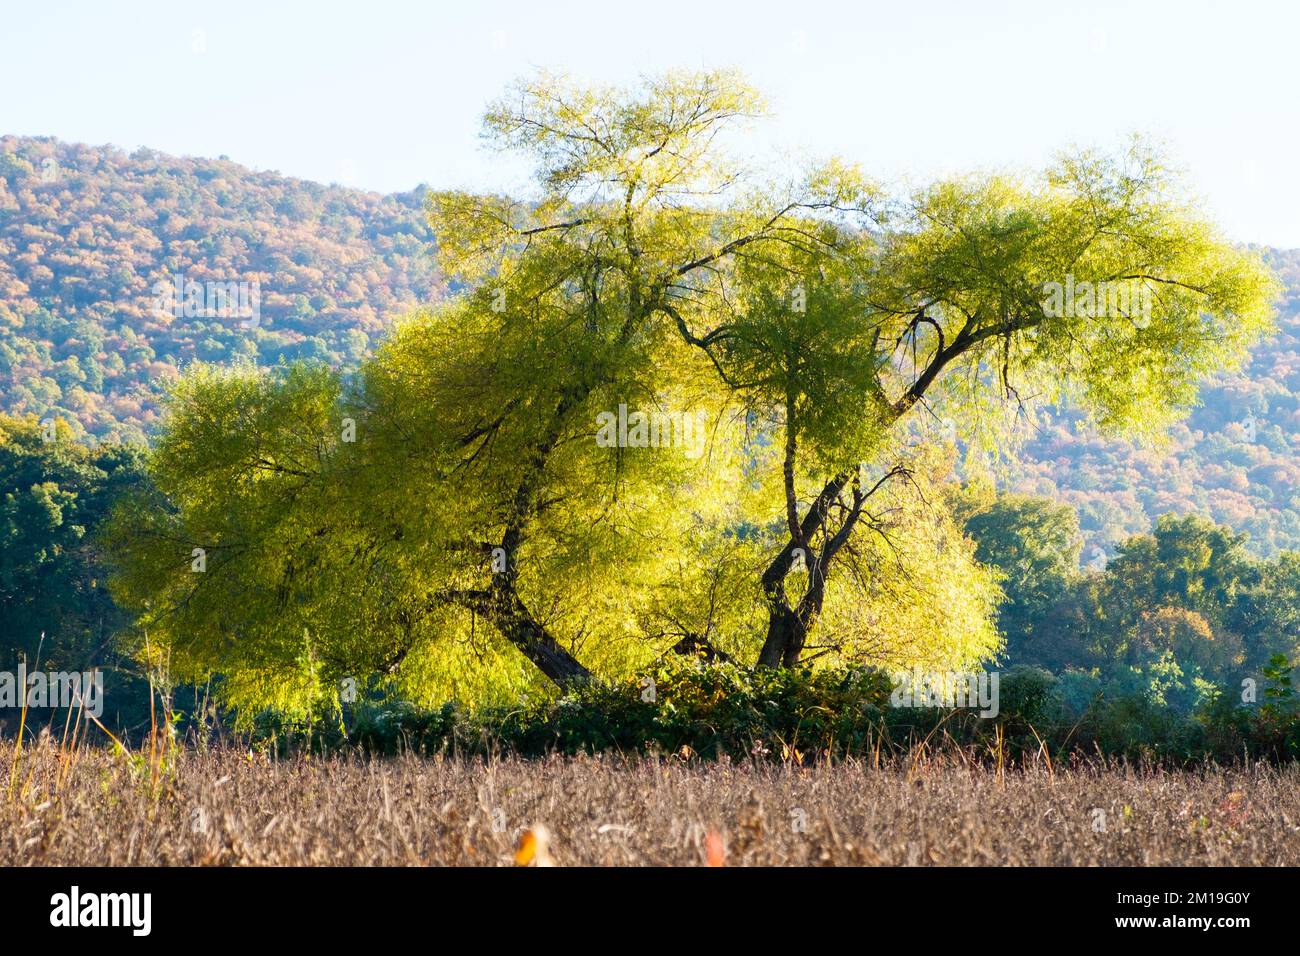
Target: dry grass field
x: 225, y: 807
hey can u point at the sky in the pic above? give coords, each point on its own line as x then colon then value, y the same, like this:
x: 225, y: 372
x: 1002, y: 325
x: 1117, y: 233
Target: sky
x: 386, y: 95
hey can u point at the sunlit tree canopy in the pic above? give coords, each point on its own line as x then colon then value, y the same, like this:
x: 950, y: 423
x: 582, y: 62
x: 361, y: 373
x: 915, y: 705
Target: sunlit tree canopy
x: 681, y: 405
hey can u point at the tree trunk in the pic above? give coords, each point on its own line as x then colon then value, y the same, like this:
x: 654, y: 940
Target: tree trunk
x: 782, y: 625
x: 519, y: 626
x: 504, y: 610
x: 547, y: 653
x: 787, y: 628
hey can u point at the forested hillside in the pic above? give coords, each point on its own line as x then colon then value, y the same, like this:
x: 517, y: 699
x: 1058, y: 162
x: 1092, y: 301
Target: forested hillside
x: 86, y: 232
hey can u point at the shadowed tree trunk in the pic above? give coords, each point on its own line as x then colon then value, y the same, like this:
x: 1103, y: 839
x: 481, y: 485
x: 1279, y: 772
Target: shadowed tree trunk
x: 508, y: 613
x: 502, y: 604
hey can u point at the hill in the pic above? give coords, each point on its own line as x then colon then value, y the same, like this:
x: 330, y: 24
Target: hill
x: 90, y: 236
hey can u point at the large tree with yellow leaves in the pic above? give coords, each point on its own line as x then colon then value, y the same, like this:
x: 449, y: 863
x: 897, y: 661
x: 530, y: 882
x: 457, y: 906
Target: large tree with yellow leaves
x: 679, y: 405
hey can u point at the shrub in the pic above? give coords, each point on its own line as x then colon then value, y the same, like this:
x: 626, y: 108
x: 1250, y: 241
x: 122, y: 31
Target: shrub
x: 709, y: 710
x: 1027, y: 693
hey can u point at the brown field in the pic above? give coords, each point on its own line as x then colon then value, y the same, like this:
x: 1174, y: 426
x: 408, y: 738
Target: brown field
x: 93, y: 807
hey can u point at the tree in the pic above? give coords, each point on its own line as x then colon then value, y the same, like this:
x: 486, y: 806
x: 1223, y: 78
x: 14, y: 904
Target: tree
x: 952, y: 304
x: 1188, y: 591
x: 809, y: 302
x: 1271, y: 611
x: 54, y: 494
x: 808, y: 322
x: 1036, y: 544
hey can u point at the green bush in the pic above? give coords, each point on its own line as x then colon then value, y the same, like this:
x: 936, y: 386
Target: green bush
x: 1028, y: 693
x: 708, y: 710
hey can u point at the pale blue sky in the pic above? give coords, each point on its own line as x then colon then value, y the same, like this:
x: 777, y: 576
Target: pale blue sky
x: 385, y: 95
